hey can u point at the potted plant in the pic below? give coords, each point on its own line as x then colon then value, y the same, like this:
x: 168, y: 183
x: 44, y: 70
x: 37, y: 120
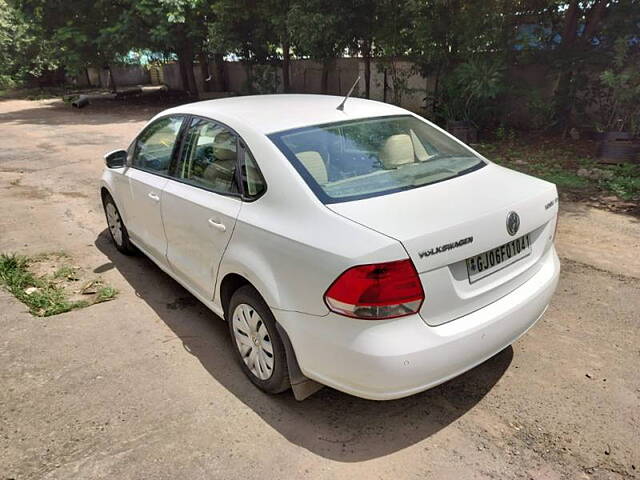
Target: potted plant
x: 469, y: 95
x: 618, y: 108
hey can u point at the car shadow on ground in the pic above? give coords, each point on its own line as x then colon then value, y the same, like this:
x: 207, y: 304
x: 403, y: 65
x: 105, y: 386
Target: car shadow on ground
x: 330, y: 423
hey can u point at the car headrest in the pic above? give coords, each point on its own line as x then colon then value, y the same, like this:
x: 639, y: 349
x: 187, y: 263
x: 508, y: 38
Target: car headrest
x: 224, y: 146
x: 418, y: 147
x: 314, y: 164
x: 397, y: 150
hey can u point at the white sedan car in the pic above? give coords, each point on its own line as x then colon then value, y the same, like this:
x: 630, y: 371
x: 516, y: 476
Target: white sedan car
x: 362, y: 248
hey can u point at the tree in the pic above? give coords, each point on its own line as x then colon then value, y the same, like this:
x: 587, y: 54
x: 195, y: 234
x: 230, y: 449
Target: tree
x: 577, y: 43
x: 171, y: 26
x: 277, y: 15
x: 25, y: 51
x: 365, y: 34
x: 243, y: 29
x: 572, y: 51
x: 74, y: 27
x: 321, y: 30
x: 100, y: 32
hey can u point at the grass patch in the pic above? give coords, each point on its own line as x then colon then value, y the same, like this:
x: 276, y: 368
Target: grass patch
x: 563, y: 178
x: 570, y: 164
x: 48, y: 294
x: 624, y: 181
x: 105, y: 294
x: 65, y: 271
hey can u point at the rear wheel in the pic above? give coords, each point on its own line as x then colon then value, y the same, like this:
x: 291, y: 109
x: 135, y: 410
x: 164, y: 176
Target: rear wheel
x: 258, y: 346
x: 117, y: 230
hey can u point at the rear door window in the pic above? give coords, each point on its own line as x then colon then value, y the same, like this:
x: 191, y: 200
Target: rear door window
x: 209, y: 157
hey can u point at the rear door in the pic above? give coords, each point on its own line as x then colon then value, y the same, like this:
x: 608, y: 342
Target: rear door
x: 147, y: 176
x: 201, y: 202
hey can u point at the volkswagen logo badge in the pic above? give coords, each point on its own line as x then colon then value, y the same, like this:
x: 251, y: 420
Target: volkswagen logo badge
x: 513, y: 223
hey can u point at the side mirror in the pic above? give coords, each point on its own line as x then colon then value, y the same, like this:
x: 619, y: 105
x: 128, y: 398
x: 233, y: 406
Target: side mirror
x: 116, y: 159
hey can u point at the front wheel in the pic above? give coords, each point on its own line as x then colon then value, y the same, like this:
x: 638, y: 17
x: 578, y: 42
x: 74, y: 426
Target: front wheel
x: 117, y: 230
x: 258, y: 345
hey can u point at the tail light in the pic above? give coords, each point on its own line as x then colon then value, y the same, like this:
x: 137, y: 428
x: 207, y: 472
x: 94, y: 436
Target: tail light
x: 377, y: 291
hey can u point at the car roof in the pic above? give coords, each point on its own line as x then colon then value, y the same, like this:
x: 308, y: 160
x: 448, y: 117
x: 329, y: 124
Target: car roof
x: 274, y: 113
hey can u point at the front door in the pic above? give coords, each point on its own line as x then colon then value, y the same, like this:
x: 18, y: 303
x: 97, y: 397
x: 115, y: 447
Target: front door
x: 147, y: 178
x: 200, y: 203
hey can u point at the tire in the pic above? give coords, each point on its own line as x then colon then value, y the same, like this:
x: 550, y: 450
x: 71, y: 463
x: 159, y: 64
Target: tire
x: 257, y: 345
x: 117, y: 229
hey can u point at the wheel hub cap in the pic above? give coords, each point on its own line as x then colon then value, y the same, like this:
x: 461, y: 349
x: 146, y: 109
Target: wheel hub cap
x: 114, y: 222
x: 253, y: 341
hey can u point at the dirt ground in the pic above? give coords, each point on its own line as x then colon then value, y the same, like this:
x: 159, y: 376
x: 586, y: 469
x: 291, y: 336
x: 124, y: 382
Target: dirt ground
x: 145, y: 386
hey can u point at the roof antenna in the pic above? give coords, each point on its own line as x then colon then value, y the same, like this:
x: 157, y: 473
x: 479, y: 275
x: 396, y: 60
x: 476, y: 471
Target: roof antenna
x: 341, y: 106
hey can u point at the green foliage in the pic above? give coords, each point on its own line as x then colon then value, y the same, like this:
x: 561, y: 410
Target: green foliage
x: 562, y: 178
x: 505, y: 134
x: 541, y: 111
x: 44, y: 295
x: 25, y: 52
x: 619, y: 100
x: 321, y: 28
x: 463, y: 47
x: 105, y: 294
x: 262, y: 79
x: 559, y: 161
x: 624, y: 182
x: 470, y: 91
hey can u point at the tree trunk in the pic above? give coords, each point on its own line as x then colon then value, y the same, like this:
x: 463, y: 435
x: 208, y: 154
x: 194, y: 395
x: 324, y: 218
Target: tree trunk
x: 563, y: 89
x: 185, y: 59
x: 570, y: 30
x: 572, y: 48
x: 286, y: 60
x: 248, y: 68
x: 183, y: 73
x: 436, y: 92
x: 324, y: 84
x: 367, y: 69
x: 220, y: 79
x: 112, y: 80
x: 204, y: 69
x: 385, y: 86
x: 596, y: 15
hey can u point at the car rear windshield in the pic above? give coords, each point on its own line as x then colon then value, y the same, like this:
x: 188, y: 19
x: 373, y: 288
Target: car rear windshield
x: 373, y: 156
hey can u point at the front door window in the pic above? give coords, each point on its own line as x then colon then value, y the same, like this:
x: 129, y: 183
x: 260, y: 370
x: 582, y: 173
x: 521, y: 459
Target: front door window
x: 155, y: 145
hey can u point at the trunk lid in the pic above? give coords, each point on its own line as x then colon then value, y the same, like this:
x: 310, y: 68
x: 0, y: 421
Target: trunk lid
x: 443, y: 224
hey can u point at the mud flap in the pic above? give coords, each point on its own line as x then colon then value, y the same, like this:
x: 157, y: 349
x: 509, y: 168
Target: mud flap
x: 302, y: 386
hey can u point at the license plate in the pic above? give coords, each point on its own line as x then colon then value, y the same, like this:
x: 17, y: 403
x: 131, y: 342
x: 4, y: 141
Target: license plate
x: 480, y: 266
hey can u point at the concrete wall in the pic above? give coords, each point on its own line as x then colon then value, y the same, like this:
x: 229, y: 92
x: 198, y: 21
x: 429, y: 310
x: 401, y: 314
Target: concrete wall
x: 126, y: 75
x: 413, y: 87
x: 306, y: 77
x: 123, y: 75
x: 171, y: 76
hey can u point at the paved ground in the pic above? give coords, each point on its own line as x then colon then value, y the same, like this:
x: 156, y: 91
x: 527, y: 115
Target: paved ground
x: 146, y: 387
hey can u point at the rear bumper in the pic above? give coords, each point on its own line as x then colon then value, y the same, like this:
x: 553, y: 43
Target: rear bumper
x: 383, y: 360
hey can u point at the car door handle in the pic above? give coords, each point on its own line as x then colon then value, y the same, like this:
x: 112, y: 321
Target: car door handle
x: 153, y: 196
x: 217, y: 225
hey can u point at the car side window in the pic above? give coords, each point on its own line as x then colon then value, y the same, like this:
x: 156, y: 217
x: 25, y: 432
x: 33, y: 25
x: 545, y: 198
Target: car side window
x: 154, y: 146
x: 252, y: 180
x: 209, y: 157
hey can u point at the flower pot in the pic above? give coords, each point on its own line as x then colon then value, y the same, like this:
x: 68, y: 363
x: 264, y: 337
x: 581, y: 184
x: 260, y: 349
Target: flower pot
x: 618, y: 147
x: 463, y: 131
